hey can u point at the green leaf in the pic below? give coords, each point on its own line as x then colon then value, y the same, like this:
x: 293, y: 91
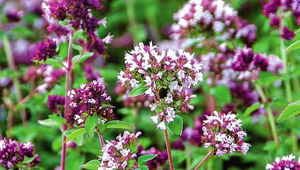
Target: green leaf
x: 104, y: 105
x: 82, y: 57
x: 143, y: 167
x: 101, y: 128
x: 137, y: 91
x: 293, y: 46
x: 291, y: 110
x: 222, y: 94
x: 117, y: 124
x: 77, y: 47
x: 53, y: 121
x: 145, y: 158
x: 75, y: 134
x: 176, y: 126
x: 266, y: 78
x: 250, y: 109
x: 28, y: 160
x: 90, y: 124
x: 93, y: 165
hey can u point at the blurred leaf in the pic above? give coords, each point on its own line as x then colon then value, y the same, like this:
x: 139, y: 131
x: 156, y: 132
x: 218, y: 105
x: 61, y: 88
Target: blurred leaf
x: 145, y: 158
x: 143, y: 167
x: 251, y: 109
x: 126, y: 111
x: 74, y: 134
x: 266, y: 78
x: 293, y: 46
x: 93, y: 165
x: 139, y: 33
x: 53, y: 121
x: 21, y: 31
x: 137, y: 91
x: 222, y: 94
x: 28, y: 160
x: 176, y: 126
x: 90, y: 124
x: 101, y: 128
x: 291, y: 110
x: 83, y: 57
x: 77, y: 47
x: 118, y: 124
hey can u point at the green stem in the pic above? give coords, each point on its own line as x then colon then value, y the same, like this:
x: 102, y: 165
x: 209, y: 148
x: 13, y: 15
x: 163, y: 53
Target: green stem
x: 188, y: 157
x: 269, y: 111
x: 288, y: 91
x: 12, y: 66
x: 131, y: 16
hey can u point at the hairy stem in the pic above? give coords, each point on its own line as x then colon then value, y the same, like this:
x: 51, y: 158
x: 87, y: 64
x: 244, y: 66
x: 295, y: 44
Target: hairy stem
x: 12, y: 66
x: 203, y: 160
x: 269, y: 111
x: 67, y: 101
x: 168, y: 149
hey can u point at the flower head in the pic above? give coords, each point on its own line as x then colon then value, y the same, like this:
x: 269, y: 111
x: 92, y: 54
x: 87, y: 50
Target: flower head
x: 55, y: 102
x: 121, y: 153
x: 90, y: 99
x: 171, y: 73
x: 13, y: 153
x: 45, y: 50
x: 286, y: 162
x: 223, y: 134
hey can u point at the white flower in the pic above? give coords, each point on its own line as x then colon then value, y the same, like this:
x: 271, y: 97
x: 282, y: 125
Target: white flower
x: 148, y: 81
x: 108, y: 39
x: 149, y: 92
x: 169, y: 98
x: 125, y: 152
x: 2, y: 144
x: 218, y: 26
x: 269, y: 166
x: 170, y: 114
x: 154, y: 119
x: 181, y: 74
x: 153, y: 106
x: 161, y: 126
x: 173, y: 86
x: 134, y: 83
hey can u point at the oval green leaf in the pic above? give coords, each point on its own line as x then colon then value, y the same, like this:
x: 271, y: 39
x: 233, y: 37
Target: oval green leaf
x: 251, y: 109
x: 117, y: 124
x: 293, y: 46
x: 137, y: 91
x: 90, y: 124
x: 291, y: 110
x: 176, y: 126
x: 92, y: 165
x: 75, y: 134
x: 145, y: 158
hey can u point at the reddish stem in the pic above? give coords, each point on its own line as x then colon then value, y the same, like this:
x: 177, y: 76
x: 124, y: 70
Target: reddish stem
x: 67, y: 102
x: 169, y: 149
x: 100, y: 139
x: 203, y: 160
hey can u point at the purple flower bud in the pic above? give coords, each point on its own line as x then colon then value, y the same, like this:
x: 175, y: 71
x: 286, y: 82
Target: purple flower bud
x: 242, y: 59
x: 261, y: 62
x: 178, y: 145
x: 55, y: 102
x: 274, y: 21
x: 45, y: 50
x: 270, y: 8
x: 287, y: 34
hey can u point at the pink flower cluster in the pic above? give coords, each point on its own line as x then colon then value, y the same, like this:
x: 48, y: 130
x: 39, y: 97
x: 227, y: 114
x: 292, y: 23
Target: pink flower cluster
x: 90, y: 99
x: 13, y: 153
x: 167, y: 76
x: 286, y: 163
x: 212, y: 17
x: 223, y: 134
x: 120, y: 153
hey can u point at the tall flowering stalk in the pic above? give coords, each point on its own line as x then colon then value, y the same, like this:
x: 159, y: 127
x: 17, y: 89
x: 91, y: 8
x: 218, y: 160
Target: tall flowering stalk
x: 223, y: 134
x: 166, y: 76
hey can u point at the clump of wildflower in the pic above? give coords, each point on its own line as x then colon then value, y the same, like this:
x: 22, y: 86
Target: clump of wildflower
x: 158, y: 161
x: 286, y: 162
x: 170, y: 72
x: 91, y: 74
x: 90, y: 99
x: 223, y: 134
x: 13, y: 153
x: 120, y: 153
x: 271, y: 9
x: 45, y: 50
x: 212, y: 17
x: 78, y: 15
x: 55, y: 103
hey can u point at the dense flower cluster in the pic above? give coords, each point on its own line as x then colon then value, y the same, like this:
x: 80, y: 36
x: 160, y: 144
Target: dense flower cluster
x: 91, y: 74
x: 55, y: 103
x: 45, y: 50
x: 132, y: 102
x: 13, y: 153
x: 158, y: 161
x: 90, y: 99
x: 166, y: 75
x: 286, y: 163
x: 47, y: 73
x: 212, y: 17
x: 120, y: 153
x: 78, y: 15
x: 223, y: 134
x: 271, y: 11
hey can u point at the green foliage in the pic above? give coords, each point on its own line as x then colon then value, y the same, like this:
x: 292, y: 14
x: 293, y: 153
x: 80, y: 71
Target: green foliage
x: 176, y: 126
x: 290, y: 111
x: 91, y: 165
x: 137, y: 91
x: 142, y: 160
x: 90, y: 124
